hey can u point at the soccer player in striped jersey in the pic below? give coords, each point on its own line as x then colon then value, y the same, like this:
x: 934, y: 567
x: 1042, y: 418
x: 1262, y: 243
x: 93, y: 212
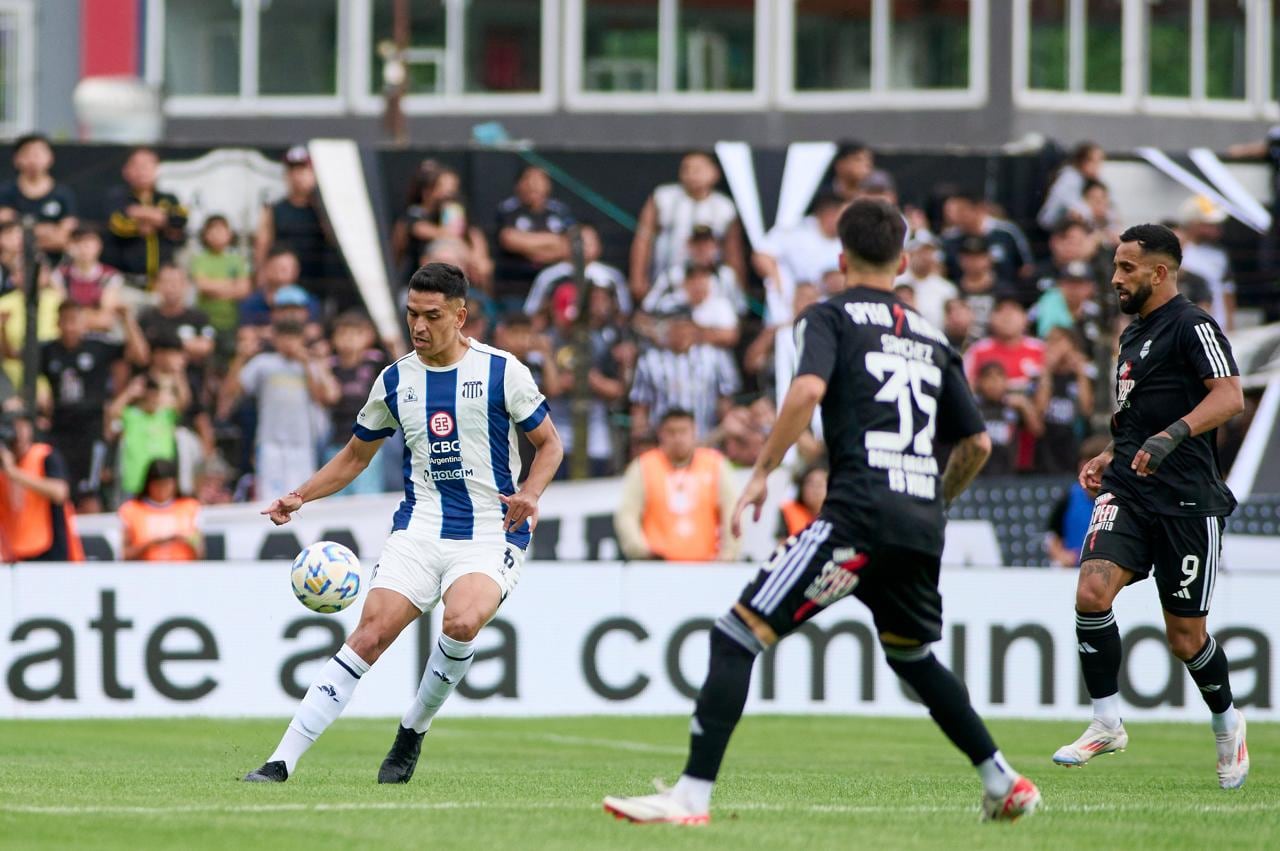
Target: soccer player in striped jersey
x: 1163, y: 504
x: 461, y: 531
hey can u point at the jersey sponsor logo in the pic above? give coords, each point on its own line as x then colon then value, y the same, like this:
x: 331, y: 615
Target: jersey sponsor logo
x: 1146, y: 349
x: 441, y: 423
x: 1103, y: 519
x: 472, y: 389
x: 437, y: 446
x: 836, y: 580
x: 869, y: 313
x: 1124, y: 384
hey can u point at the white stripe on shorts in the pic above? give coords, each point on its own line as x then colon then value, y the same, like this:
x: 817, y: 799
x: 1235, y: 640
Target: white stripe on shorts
x: 795, y: 570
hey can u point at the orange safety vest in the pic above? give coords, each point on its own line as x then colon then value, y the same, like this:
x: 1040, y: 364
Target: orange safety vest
x: 147, y: 521
x: 796, y: 515
x: 26, y: 527
x: 681, y: 519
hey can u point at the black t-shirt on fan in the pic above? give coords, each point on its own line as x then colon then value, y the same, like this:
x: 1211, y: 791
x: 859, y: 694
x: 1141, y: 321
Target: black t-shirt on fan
x: 895, y: 389
x: 1163, y: 363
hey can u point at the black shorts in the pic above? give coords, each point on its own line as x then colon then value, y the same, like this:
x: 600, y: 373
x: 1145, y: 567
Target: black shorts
x: 84, y: 459
x: 819, y: 566
x: 1183, y: 551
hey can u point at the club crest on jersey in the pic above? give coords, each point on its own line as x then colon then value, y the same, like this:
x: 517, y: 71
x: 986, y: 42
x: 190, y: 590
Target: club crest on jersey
x: 472, y: 389
x: 1124, y: 384
x: 441, y: 424
x: 1146, y: 349
x: 410, y: 396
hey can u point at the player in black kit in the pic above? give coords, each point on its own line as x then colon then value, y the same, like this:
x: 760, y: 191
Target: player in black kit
x: 890, y: 388
x: 1163, y: 504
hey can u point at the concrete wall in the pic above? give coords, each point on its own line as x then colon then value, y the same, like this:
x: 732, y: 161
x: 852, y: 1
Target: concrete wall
x: 57, y: 25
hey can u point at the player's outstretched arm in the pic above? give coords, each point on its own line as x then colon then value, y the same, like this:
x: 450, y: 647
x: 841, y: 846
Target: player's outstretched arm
x: 548, y: 452
x: 967, y: 458
x: 797, y: 412
x: 340, y: 471
x: 1224, y: 401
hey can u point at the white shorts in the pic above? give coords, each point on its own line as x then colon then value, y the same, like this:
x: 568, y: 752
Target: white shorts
x: 422, y: 569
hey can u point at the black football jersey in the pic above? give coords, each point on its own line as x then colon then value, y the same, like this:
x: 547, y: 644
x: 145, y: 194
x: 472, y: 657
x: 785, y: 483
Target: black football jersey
x: 1164, y: 361
x: 895, y: 390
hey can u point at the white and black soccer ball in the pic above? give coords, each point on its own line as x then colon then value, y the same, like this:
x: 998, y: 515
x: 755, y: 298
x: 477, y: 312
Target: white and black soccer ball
x: 326, y: 577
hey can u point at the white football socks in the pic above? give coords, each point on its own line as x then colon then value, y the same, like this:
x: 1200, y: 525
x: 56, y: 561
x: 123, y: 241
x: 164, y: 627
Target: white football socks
x: 1107, y: 710
x: 997, y: 776
x: 1225, y: 723
x: 694, y: 793
x: 321, y: 705
x: 445, y: 669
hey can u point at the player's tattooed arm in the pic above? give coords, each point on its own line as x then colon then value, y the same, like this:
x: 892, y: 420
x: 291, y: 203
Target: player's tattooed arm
x: 967, y: 459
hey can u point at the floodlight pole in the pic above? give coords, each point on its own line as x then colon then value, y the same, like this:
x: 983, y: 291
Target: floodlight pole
x: 395, y: 74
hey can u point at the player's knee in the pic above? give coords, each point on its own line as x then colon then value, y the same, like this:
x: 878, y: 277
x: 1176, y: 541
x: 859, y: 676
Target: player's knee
x: 1092, y: 596
x: 1185, y: 643
x: 369, y: 641
x: 463, y: 625
x: 899, y: 651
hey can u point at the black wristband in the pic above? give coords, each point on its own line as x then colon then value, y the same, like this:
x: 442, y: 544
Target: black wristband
x: 1179, y: 431
x: 1159, y: 446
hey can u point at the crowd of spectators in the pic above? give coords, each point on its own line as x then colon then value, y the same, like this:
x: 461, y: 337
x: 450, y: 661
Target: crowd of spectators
x: 174, y: 363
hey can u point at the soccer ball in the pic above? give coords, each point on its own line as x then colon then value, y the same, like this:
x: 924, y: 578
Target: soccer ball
x: 326, y: 577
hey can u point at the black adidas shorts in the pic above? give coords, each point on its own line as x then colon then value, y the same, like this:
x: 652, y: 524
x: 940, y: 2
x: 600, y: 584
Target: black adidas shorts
x: 1183, y: 551
x: 819, y: 566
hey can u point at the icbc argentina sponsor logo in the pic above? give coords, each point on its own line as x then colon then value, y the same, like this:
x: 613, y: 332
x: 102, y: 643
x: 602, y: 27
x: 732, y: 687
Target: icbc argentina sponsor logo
x: 441, y: 423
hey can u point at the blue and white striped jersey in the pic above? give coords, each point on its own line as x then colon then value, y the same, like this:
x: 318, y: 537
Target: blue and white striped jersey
x: 460, y: 439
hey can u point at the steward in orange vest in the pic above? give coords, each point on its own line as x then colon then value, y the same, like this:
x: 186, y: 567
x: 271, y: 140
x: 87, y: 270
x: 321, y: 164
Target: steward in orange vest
x: 676, y: 499
x: 158, y: 525
x: 811, y: 492
x: 37, y: 522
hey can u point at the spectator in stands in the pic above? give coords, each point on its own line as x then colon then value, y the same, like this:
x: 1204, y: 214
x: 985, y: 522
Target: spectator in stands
x: 158, y: 524
x: 811, y: 491
x: 173, y: 316
x: 1103, y: 220
x: 476, y: 326
x: 1071, y: 242
x: 436, y: 211
x: 13, y: 309
x: 958, y: 324
x: 1008, y: 344
x: 171, y: 368
x: 932, y: 290
x: 774, y: 349
x: 597, y: 273
x: 1009, y: 249
x: 1006, y: 414
x: 144, y: 417
x: 146, y: 226
x: 1071, y: 304
x: 1065, y: 198
x: 677, y: 500
x: 532, y: 235
x: 35, y: 509
x: 355, y: 364
x: 854, y: 161
x: 742, y: 432
x: 905, y: 292
x: 979, y: 284
x: 515, y: 334
x: 221, y: 276
x: 1202, y: 254
x: 89, y: 283
x: 714, y: 315
x: 672, y: 212
x: 297, y: 222
x: 703, y: 249
x: 294, y: 392
x: 806, y: 252
x: 1063, y: 401
x: 81, y: 371
x: 1069, y: 518
x: 279, y: 274
x: 879, y: 184
x: 36, y: 194
x: 685, y: 374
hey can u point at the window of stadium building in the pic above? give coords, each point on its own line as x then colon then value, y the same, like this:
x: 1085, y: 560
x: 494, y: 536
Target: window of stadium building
x: 481, y: 46
x: 202, y: 47
x: 1076, y: 46
x: 885, y: 47
x: 669, y: 47
x: 1198, y: 48
x: 297, y: 47
x: 16, y: 67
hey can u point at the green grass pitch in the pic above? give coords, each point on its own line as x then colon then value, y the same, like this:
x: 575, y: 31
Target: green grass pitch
x: 487, y: 784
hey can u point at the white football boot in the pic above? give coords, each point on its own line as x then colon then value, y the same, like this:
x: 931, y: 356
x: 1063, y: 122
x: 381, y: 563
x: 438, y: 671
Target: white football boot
x: 1022, y: 800
x: 1098, y: 739
x: 1233, y: 756
x: 665, y: 807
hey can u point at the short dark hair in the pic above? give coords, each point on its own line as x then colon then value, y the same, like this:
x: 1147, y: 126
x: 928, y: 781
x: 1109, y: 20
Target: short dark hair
x: 83, y: 230
x: 1065, y: 226
x: 990, y: 367
x: 1082, y: 152
x: 141, y: 149
x: 691, y: 269
x: 849, y: 147
x: 444, y: 278
x: 516, y: 319
x: 30, y: 138
x: 352, y: 318
x: 1093, y: 184
x: 824, y: 199
x: 1155, y: 239
x: 872, y: 230
x: 701, y: 152
x: 69, y: 306
x: 161, y: 468
x: 280, y: 251
x: 674, y: 414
